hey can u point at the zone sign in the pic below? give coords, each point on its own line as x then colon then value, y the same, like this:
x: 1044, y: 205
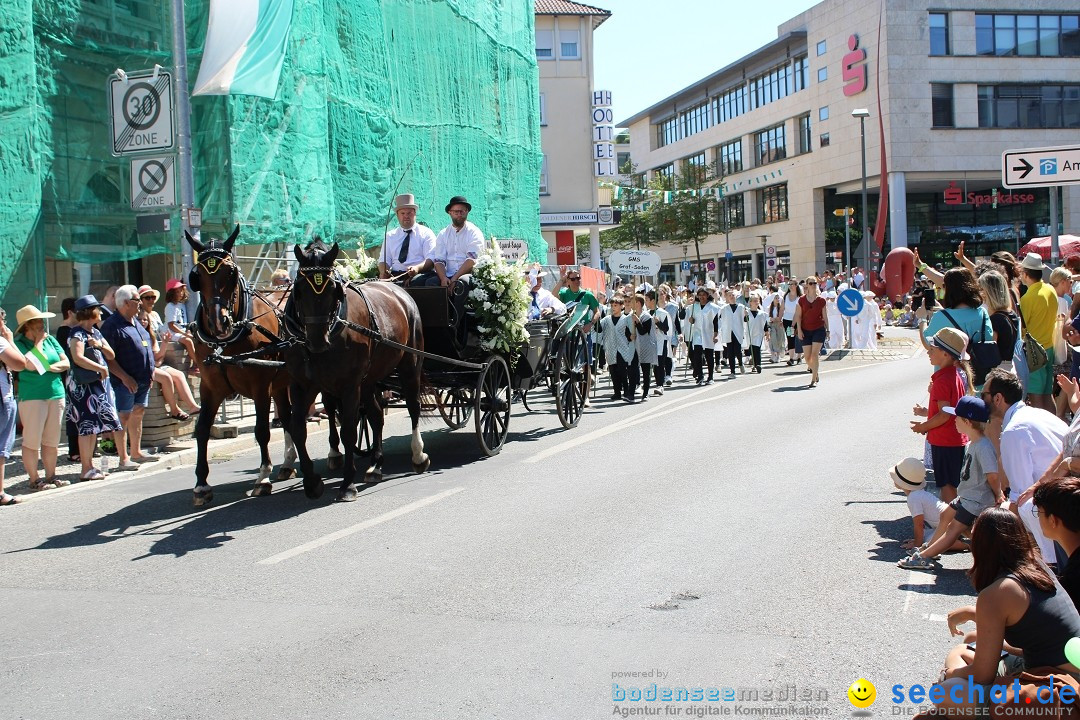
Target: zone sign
x: 141, y: 112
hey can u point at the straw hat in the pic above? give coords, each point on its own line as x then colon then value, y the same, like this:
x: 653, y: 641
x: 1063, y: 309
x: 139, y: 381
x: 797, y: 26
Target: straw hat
x: 147, y: 290
x: 1032, y: 261
x: 27, y: 313
x: 909, y: 474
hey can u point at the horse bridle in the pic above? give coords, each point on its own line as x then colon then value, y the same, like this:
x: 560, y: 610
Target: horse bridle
x: 212, y: 260
x: 320, y: 278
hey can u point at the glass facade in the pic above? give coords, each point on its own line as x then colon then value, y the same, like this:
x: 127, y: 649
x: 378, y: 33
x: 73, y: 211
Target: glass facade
x: 939, y: 34
x: 1029, y: 106
x: 772, y: 203
x: 770, y: 145
x: 729, y: 158
x: 1027, y: 35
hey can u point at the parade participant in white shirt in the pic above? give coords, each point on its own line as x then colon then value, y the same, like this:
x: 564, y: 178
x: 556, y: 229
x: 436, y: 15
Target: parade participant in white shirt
x: 671, y: 307
x: 626, y: 354
x: 611, y: 346
x: 541, y: 302
x: 732, y: 330
x: 661, y: 332
x: 699, y: 329
x: 835, y: 340
x: 757, y: 323
x: 456, y: 248
x: 646, y: 341
x: 406, y: 251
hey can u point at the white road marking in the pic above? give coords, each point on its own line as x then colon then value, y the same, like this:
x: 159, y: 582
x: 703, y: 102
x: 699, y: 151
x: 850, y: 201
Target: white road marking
x: 675, y: 405
x: 915, y: 577
x: 352, y: 530
x: 934, y: 617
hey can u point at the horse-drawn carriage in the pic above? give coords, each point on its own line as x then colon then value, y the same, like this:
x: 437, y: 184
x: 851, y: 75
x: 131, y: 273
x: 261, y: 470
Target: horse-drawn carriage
x: 471, y: 382
x: 357, y: 342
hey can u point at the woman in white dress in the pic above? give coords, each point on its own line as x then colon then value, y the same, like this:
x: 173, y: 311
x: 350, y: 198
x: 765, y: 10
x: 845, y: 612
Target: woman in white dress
x: 836, y: 322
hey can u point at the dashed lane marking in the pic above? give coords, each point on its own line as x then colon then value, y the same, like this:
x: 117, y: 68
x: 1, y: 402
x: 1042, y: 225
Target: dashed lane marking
x: 358, y: 527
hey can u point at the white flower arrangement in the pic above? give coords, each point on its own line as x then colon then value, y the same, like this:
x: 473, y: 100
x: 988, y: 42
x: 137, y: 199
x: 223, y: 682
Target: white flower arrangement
x: 500, y: 301
x: 363, y: 267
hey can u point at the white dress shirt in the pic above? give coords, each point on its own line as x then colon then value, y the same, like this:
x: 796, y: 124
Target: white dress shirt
x: 1030, y: 440
x: 542, y: 300
x: 453, y: 247
x: 421, y: 243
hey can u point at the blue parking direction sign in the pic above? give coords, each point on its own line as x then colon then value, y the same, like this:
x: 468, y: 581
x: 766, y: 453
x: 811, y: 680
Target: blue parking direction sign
x: 850, y: 302
x: 1040, y: 167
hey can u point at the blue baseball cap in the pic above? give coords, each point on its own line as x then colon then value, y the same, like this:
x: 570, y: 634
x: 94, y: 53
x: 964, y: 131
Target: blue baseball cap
x: 970, y: 407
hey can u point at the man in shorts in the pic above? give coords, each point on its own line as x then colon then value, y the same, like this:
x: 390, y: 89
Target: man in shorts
x: 130, y: 374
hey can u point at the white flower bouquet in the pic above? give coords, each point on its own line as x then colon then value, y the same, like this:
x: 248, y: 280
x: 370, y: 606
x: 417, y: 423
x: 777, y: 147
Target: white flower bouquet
x: 500, y: 302
x: 362, y: 268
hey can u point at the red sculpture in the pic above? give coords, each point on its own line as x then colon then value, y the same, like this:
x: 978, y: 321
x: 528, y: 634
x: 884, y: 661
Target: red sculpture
x: 897, y: 275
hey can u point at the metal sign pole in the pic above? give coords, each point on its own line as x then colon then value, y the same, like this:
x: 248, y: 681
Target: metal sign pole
x: 1055, y: 248
x: 183, y: 140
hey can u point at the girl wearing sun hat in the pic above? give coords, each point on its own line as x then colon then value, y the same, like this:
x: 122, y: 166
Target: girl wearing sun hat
x: 41, y: 395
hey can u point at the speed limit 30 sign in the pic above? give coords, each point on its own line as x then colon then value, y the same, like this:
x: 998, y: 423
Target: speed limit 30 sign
x: 141, y: 112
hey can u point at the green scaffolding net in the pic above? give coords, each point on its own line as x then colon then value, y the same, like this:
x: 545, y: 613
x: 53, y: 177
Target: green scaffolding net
x: 431, y: 97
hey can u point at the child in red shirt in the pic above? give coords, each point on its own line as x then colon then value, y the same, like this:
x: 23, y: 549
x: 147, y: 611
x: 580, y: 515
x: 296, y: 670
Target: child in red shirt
x: 947, y: 386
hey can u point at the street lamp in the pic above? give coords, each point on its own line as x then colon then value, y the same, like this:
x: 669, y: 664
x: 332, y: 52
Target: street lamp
x: 862, y: 114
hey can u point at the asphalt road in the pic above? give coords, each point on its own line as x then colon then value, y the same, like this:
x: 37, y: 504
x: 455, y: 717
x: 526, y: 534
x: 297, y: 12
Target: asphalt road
x: 738, y: 536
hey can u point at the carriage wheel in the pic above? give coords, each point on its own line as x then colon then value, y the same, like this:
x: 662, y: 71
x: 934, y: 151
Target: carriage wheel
x: 571, y: 374
x: 492, y: 401
x: 455, y: 406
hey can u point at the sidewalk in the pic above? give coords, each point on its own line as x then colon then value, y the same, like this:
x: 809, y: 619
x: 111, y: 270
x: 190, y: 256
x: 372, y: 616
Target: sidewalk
x: 181, y: 451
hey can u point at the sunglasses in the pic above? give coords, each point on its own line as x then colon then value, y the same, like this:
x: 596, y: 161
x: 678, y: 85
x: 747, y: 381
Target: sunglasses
x: 572, y: 279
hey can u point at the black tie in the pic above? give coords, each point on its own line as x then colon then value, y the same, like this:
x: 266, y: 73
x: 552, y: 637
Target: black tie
x: 404, y: 252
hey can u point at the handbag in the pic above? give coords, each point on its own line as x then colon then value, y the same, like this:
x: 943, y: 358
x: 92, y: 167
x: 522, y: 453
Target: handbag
x: 984, y: 355
x: 1034, y: 353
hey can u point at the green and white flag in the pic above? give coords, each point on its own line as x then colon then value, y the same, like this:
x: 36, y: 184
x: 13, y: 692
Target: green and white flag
x: 245, y: 47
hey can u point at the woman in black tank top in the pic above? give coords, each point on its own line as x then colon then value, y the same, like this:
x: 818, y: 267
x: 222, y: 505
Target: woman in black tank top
x: 1021, y: 609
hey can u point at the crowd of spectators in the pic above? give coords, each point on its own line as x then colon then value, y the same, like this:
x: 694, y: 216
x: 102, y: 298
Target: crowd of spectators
x: 92, y: 379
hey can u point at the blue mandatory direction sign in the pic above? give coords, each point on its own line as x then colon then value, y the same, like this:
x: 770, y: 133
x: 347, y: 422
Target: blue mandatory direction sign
x: 850, y: 302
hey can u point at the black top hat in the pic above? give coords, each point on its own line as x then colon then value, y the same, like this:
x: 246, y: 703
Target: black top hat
x: 86, y: 302
x: 458, y: 200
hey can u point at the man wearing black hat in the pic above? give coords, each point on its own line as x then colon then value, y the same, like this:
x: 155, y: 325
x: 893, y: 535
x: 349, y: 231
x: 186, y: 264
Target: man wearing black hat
x: 457, y: 247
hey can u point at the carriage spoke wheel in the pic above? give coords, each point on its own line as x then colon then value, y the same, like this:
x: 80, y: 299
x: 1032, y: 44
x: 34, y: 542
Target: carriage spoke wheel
x: 455, y: 406
x: 492, y: 404
x: 571, y: 375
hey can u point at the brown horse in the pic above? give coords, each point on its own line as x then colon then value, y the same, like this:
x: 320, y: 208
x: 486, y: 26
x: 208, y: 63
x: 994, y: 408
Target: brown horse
x: 342, y: 358
x: 236, y: 320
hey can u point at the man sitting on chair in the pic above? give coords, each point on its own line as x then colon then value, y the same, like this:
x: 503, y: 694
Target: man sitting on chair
x: 456, y: 248
x: 406, y: 252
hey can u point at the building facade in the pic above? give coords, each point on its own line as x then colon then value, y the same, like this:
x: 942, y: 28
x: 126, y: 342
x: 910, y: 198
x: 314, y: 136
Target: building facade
x: 947, y: 87
x: 569, y: 198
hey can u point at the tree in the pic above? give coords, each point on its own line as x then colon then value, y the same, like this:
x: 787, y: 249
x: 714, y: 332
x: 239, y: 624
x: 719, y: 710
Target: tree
x: 635, y: 228
x: 693, y: 213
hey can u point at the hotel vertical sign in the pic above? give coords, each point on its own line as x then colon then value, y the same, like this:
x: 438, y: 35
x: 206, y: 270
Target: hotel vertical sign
x: 603, y: 120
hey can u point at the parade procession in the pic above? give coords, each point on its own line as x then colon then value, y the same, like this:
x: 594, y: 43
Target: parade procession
x: 673, y: 359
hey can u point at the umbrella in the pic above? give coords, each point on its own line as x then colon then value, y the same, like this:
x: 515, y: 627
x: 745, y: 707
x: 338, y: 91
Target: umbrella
x: 1069, y: 244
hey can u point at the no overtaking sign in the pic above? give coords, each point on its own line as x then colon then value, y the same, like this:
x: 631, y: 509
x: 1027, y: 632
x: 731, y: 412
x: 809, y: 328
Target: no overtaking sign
x: 152, y: 183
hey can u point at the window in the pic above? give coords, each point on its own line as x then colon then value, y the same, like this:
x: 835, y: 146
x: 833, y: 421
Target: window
x: 770, y: 145
x: 823, y: 114
x: 622, y: 161
x: 941, y: 103
x: 805, y: 138
x: 770, y: 86
x: 1029, y: 106
x: 666, y: 173
x: 667, y: 132
x: 801, y: 72
x: 543, y: 109
x: 939, y: 34
x: 731, y: 213
x: 694, y: 168
x: 822, y: 74
x: 568, y: 45
x: 544, y: 176
x: 823, y: 141
x: 821, y: 48
x: 694, y: 120
x: 729, y: 159
x: 545, y: 42
x: 730, y: 104
x: 772, y: 203
x: 1027, y: 35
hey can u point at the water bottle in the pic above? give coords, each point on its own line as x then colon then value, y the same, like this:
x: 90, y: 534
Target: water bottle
x: 104, y: 464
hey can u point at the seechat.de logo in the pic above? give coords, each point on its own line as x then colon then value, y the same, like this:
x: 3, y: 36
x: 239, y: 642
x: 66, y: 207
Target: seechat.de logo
x: 862, y: 693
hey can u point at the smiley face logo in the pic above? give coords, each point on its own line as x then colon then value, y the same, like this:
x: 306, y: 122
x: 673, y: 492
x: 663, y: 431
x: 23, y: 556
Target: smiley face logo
x: 862, y: 693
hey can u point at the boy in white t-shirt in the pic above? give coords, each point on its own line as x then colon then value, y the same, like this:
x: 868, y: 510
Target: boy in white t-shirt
x: 909, y: 475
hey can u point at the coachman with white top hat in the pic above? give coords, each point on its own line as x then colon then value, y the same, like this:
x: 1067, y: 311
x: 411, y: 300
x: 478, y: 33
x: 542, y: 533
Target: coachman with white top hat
x: 406, y: 253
